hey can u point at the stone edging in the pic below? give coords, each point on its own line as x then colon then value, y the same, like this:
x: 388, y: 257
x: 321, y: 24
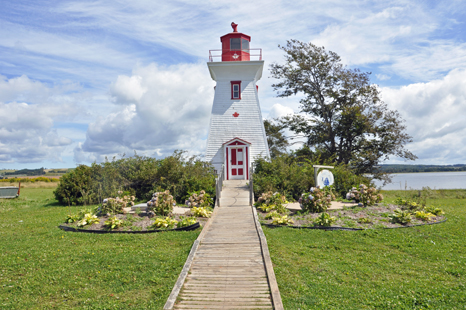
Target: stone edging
x: 274, y: 292
x: 187, y: 265
x: 187, y: 228
x: 351, y: 229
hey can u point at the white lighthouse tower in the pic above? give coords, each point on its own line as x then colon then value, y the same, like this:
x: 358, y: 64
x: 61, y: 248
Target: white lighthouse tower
x: 236, y: 133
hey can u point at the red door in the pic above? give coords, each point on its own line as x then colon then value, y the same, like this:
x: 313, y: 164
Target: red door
x: 237, y: 163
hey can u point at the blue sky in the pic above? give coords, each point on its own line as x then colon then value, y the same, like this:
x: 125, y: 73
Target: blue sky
x: 82, y: 80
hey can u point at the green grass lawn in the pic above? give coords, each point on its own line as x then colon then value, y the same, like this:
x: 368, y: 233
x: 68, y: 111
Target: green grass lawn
x: 408, y: 268
x: 43, y: 267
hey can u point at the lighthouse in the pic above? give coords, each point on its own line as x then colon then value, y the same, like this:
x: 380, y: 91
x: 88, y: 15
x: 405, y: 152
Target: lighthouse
x: 236, y: 132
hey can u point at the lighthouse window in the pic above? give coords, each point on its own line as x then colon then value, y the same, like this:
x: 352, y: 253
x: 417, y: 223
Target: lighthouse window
x: 236, y: 90
x: 245, y: 45
x: 235, y: 44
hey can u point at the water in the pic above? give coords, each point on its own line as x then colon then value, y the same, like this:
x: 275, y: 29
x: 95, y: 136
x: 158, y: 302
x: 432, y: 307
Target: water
x: 434, y: 180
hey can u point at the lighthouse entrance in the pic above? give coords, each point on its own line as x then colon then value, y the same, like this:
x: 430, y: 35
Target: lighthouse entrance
x: 237, y: 159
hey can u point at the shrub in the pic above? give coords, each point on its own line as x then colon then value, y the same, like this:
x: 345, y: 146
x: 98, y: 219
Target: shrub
x: 186, y: 221
x: 407, y: 204
x: 325, y: 220
x: 199, y: 199
x: 113, y: 223
x: 272, y: 201
x: 402, y: 217
x: 282, y: 220
x: 166, y: 223
x: 161, y: 203
x: 282, y: 174
x: 201, y: 212
x: 116, y: 205
x: 366, y: 195
x: 315, y: 201
x: 138, y: 175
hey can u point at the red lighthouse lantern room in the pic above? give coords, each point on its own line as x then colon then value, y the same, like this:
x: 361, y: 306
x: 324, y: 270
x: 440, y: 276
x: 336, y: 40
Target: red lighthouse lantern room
x: 235, y: 45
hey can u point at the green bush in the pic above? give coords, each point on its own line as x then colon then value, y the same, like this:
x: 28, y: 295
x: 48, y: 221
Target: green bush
x: 292, y: 175
x: 139, y: 176
x: 284, y: 175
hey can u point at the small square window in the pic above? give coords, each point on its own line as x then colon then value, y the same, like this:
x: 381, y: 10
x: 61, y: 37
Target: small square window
x: 235, y: 89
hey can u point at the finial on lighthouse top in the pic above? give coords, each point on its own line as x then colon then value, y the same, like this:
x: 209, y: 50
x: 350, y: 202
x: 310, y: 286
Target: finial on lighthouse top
x: 234, y: 26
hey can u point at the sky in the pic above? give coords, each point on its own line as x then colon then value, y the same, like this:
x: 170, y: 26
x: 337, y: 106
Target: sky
x: 85, y: 80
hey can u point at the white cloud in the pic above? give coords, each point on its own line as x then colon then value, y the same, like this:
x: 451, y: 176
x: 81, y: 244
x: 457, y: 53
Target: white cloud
x: 435, y: 117
x: 167, y: 108
x: 279, y: 110
x: 26, y: 133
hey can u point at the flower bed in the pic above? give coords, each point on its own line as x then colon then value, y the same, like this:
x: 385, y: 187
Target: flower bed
x: 378, y: 216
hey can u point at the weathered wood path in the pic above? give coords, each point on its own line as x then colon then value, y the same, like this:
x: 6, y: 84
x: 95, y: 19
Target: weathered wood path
x: 228, y: 270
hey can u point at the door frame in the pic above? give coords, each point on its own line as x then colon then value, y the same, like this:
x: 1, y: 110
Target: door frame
x: 236, y: 143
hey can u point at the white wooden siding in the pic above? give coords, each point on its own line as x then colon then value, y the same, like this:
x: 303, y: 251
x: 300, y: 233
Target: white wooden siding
x: 248, y: 125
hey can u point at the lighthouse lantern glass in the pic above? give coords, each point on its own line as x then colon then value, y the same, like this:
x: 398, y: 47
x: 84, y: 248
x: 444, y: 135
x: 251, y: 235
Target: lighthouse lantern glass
x: 235, y: 44
x: 245, y: 45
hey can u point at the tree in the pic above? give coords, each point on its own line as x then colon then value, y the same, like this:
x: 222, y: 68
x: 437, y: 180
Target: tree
x: 276, y: 140
x: 344, y: 117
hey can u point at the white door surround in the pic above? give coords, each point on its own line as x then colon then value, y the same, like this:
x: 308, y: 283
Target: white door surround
x: 237, y: 159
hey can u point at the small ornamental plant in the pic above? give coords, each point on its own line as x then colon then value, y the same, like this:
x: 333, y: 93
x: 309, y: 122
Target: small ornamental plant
x: 186, y: 221
x: 424, y: 216
x: 325, y: 220
x: 364, y: 220
x: 434, y: 210
x: 272, y: 201
x: 367, y: 196
x: 113, y: 223
x: 408, y: 204
x: 201, y: 212
x: 199, y: 199
x: 116, y: 205
x: 71, y: 218
x: 272, y: 214
x: 282, y: 220
x: 315, y: 201
x: 88, y: 219
x: 164, y: 223
x: 401, y: 216
x: 161, y: 203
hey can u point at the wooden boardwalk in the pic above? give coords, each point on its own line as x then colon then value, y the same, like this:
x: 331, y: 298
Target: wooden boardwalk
x: 228, y: 270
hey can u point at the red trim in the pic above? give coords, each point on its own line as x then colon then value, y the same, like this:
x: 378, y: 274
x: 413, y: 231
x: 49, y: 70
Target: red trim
x: 247, y: 163
x: 257, y: 87
x: 236, y: 138
x: 239, y: 89
x: 226, y: 149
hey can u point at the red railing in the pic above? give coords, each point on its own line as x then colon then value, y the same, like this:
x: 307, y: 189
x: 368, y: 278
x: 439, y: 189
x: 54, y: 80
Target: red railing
x: 235, y: 55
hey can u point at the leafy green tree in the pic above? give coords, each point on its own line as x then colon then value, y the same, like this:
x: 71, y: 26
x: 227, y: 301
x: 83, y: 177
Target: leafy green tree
x: 276, y: 139
x: 344, y: 118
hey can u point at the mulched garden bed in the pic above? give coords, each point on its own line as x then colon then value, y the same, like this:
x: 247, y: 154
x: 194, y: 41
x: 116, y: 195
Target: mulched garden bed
x: 133, y: 222
x: 348, y: 217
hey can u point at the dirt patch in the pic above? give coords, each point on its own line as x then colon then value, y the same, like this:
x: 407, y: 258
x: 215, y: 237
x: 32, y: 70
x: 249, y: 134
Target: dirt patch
x: 354, y: 217
x: 131, y: 222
